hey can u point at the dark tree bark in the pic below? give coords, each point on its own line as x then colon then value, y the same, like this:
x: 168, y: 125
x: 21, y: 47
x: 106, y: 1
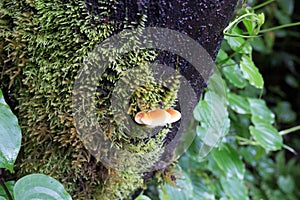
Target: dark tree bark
x: 204, y: 21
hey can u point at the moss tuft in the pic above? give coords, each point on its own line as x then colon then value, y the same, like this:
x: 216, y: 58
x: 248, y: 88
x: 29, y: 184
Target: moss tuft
x: 43, y: 45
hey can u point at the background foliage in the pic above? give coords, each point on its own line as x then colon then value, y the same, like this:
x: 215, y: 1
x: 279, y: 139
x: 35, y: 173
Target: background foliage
x: 257, y: 159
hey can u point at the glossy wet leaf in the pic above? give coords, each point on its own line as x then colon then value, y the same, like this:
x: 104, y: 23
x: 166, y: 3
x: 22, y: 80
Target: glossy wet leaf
x: 10, y: 134
x: 234, y: 188
x: 39, y: 187
x: 234, y: 75
x: 10, y: 186
x: 265, y: 134
x: 250, y: 72
x: 239, y: 44
x: 229, y: 161
x: 238, y: 103
x: 260, y: 110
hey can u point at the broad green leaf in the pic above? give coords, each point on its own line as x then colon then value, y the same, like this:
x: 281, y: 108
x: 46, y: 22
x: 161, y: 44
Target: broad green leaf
x: 258, y: 44
x: 234, y: 75
x: 286, y: 183
x: 200, y: 189
x: 10, y: 186
x: 229, y: 161
x: 163, y: 195
x: 10, y: 134
x: 251, y: 72
x: 142, y: 197
x: 213, y: 116
x: 2, y: 98
x: 238, y: 103
x: 239, y: 44
x: 260, y: 110
x: 266, y: 168
x: 222, y: 55
x: 265, y: 134
x: 282, y: 17
x: 234, y: 188
x: 39, y: 187
x: 183, y: 191
x: 217, y: 85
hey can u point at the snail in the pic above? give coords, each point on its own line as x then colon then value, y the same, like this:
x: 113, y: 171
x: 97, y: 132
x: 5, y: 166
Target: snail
x: 158, y: 117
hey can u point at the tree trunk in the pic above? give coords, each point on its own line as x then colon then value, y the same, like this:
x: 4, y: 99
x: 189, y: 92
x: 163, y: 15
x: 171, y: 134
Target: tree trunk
x: 43, y: 45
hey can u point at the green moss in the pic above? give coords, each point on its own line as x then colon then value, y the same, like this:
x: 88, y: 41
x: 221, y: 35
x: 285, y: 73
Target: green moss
x: 43, y: 44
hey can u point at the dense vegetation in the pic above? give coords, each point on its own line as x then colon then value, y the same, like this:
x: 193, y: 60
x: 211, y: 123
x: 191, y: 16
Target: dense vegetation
x: 250, y: 107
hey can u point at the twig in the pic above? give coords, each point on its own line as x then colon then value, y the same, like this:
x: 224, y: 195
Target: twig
x: 2, y: 183
x: 290, y: 130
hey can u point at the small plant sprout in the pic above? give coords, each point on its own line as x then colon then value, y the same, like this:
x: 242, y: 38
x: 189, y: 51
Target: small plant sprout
x: 157, y: 117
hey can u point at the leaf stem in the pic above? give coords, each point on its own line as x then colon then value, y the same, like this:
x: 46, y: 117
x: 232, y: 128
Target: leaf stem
x: 280, y: 27
x: 290, y: 130
x: 2, y: 183
x: 245, y: 141
x: 262, y: 4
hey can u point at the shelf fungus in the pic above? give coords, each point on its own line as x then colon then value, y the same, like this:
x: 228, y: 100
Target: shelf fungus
x: 157, y: 117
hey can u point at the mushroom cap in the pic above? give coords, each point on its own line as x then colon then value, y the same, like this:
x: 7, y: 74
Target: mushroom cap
x: 175, y: 115
x: 156, y: 118
x: 138, y: 117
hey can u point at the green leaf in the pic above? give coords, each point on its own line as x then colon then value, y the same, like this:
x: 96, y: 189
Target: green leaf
x: 266, y: 168
x: 282, y: 17
x: 200, y: 189
x: 2, y: 98
x: 234, y: 188
x: 258, y: 44
x: 239, y: 44
x: 10, y: 186
x: 222, y: 55
x: 260, y: 110
x: 251, y: 72
x: 238, y: 103
x: 183, y: 191
x: 286, y: 183
x: 228, y: 160
x: 213, y: 116
x: 265, y: 134
x: 10, y: 134
x: 234, y: 75
x: 142, y: 197
x: 39, y: 187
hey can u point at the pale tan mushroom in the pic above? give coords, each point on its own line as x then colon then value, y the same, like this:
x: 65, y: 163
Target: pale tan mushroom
x: 155, y: 118
x: 175, y: 115
x: 138, y: 117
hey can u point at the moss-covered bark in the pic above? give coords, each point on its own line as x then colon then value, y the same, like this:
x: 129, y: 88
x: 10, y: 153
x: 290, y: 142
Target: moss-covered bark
x: 43, y: 44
